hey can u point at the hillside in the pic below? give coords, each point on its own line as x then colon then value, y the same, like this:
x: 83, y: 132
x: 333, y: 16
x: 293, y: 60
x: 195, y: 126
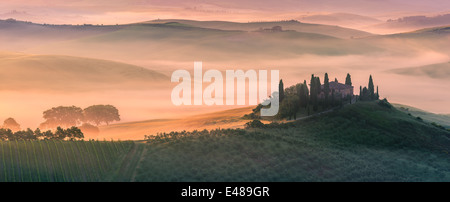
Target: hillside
x: 441, y: 119
x: 334, y: 31
x: 435, y: 71
x: 341, y: 19
x: 172, y: 42
x: 56, y: 72
x: 408, y: 23
x: 137, y: 130
x: 366, y: 141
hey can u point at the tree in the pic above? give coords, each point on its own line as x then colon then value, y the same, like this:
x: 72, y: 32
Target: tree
x: 371, y: 88
x: 348, y: 80
x: 289, y: 107
x: 281, y: 90
x: 98, y: 114
x: 92, y: 130
x: 326, y: 89
x: 377, y: 96
x: 71, y: 133
x: 317, y: 91
x: 62, y: 116
x: 303, y: 94
x: 315, y: 88
x: 74, y: 133
x: 5, y: 133
x: 11, y: 124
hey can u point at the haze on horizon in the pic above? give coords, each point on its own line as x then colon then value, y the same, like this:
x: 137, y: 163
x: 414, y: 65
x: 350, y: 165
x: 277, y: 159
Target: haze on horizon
x: 132, y: 11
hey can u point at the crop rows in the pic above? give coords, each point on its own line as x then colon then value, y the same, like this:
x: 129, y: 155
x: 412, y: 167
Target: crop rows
x: 60, y: 161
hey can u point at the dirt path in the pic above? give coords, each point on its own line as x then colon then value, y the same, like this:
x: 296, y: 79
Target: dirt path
x: 127, y: 171
x: 141, y: 158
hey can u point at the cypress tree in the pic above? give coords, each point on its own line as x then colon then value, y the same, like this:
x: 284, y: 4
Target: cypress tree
x: 306, y: 89
x: 281, y: 90
x: 348, y: 80
x: 378, y: 95
x: 326, y: 89
x: 312, y: 89
x: 317, y: 86
x: 371, y: 88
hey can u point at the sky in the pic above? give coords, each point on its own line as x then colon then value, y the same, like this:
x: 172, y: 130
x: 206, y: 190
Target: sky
x: 129, y: 11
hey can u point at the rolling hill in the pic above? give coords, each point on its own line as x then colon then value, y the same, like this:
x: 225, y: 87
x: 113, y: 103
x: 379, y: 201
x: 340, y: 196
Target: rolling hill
x: 137, y: 130
x: 181, y: 42
x: 366, y: 141
x: 341, y: 19
x: 334, y: 31
x: 63, y: 73
x: 435, y: 71
x: 441, y: 119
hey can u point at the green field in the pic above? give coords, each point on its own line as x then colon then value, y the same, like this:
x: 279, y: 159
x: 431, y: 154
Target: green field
x: 366, y: 141
x: 61, y: 161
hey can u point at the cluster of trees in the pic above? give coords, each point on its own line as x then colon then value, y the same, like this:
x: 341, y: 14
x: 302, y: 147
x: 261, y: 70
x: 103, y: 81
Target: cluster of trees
x: 67, y: 122
x: 316, y: 98
x: 312, y: 99
x: 72, y: 133
x: 67, y: 116
x: 11, y: 124
x: 368, y: 93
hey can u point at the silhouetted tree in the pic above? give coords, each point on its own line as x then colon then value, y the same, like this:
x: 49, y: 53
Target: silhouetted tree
x: 326, y: 89
x: 348, y: 80
x: 281, y: 91
x: 74, y: 133
x: 377, y: 96
x: 371, y: 88
x: 11, y: 124
x: 98, y: 114
x: 289, y: 107
x: 317, y: 90
x: 62, y: 116
x: 303, y: 95
x: 91, y: 130
x: 5, y: 133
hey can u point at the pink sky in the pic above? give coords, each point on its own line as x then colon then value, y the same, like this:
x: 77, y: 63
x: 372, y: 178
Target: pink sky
x: 129, y: 11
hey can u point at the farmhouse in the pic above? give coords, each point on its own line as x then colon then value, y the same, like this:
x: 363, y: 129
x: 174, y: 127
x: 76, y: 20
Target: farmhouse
x: 339, y: 89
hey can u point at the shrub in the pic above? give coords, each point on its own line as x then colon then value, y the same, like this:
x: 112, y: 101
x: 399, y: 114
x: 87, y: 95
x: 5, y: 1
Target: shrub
x: 254, y: 124
x: 385, y: 103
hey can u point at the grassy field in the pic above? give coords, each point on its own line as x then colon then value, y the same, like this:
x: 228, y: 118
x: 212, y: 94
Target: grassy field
x: 61, y: 161
x: 361, y: 142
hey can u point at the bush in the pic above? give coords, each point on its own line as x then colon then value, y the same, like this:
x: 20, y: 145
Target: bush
x: 254, y: 124
x: 438, y: 126
x: 385, y: 103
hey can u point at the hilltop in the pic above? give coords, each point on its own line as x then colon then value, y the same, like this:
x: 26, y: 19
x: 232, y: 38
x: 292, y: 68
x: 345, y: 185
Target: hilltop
x: 366, y: 141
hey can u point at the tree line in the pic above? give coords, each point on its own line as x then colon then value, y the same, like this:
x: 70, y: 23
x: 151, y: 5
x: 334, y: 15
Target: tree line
x: 63, y: 122
x: 72, y: 133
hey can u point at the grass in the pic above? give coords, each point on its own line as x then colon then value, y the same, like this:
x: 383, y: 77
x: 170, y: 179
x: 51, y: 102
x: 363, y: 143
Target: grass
x: 365, y: 141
